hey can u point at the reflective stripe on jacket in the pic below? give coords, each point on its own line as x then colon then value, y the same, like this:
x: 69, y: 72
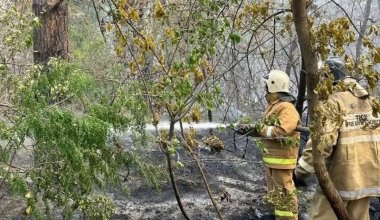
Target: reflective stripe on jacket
x: 277, y: 154
x: 282, y: 214
x: 353, y: 152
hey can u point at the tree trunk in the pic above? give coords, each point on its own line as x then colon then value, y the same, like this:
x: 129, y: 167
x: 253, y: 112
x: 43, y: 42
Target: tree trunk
x: 171, y: 172
x: 51, y: 38
x: 301, y: 90
x: 363, y: 27
x: 303, y: 33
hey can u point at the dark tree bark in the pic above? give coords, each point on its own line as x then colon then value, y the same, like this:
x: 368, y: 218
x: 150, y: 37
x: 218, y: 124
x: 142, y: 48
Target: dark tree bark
x: 311, y: 68
x: 301, y: 90
x: 51, y: 38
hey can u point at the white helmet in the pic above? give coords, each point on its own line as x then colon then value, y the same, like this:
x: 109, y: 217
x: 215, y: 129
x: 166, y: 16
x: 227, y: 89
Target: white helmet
x: 278, y: 81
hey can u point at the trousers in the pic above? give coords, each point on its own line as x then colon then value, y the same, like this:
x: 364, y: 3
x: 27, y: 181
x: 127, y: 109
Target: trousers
x: 282, y: 193
x: 321, y: 210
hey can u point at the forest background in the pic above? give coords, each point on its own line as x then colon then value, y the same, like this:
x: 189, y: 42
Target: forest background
x: 77, y: 75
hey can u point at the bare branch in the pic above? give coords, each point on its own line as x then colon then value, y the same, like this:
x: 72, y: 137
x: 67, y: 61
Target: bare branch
x: 97, y: 18
x: 349, y: 18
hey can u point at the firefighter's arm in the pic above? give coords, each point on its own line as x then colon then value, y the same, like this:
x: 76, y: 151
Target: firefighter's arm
x: 305, y: 164
x: 328, y: 140
x: 288, y: 118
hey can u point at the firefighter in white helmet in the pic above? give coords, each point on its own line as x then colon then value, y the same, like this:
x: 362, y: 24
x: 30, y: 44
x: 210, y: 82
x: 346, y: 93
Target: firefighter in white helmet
x: 351, y: 149
x: 279, y: 144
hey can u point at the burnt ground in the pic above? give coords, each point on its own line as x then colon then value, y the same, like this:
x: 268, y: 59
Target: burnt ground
x: 229, y: 171
x: 237, y: 170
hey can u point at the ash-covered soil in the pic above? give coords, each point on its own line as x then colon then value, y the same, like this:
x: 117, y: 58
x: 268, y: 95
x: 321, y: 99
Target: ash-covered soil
x: 226, y: 172
x: 236, y: 171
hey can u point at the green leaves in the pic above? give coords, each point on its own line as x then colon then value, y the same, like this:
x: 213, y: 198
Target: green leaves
x: 58, y: 82
x: 235, y: 38
x: 17, y: 184
x: 74, y: 148
x: 97, y: 207
x: 73, y: 154
x: 16, y: 30
x: 184, y: 89
x: 291, y: 142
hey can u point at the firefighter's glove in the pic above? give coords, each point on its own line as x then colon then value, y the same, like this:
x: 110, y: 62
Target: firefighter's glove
x: 299, y: 177
x: 241, y: 129
x: 247, y: 129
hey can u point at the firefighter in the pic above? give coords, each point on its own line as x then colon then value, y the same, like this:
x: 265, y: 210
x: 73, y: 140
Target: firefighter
x: 279, y: 144
x: 352, y: 150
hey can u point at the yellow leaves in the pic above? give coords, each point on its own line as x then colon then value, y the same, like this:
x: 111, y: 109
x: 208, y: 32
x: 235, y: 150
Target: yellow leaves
x: 129, y: 14
x: 196, y: 114
x: 158, y: 11
x: 238, y: 21
x: 151, y: 43
x: 334, y: 34
x: 139, y: 42
x: 345, y: 22
x: 161, y: 59
x: 252, y: 12
x: 330, y: 117
x: 214, y: 143
x: 350, y: 63
x: 372, y: 77
x: 145, y: 43
x: 257, y: 9
x: 375, y: 107
x: 173, y: 107
x: 163, y: 134
x: 325, y: 87
x: 28, y: 211
x: 207, y: 67
x: 28, y: 195
x: 120, y: 44
x: 134, y: 14
x: 367, y: 42
x: 289, y: 17
x: 155, y: 118
x: 373, y: 29
x: 248, y: 8
x: 140, y: 59
x: 189, y: 139
x: 124, y: 13
x: 198, y: 75
x: 169, y: 32
x: 109, y: 26
x: 288, y: 22
x: 264, y: 9
x: 132, y: 66
x: 119, y: 51
x: 376, y: 55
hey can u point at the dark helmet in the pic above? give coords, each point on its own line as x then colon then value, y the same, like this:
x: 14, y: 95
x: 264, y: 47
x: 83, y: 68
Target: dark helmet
x: 337, y: 68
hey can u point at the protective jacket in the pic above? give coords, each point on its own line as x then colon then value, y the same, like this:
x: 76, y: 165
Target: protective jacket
x: 281, y: 146
x: 352, y: 149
